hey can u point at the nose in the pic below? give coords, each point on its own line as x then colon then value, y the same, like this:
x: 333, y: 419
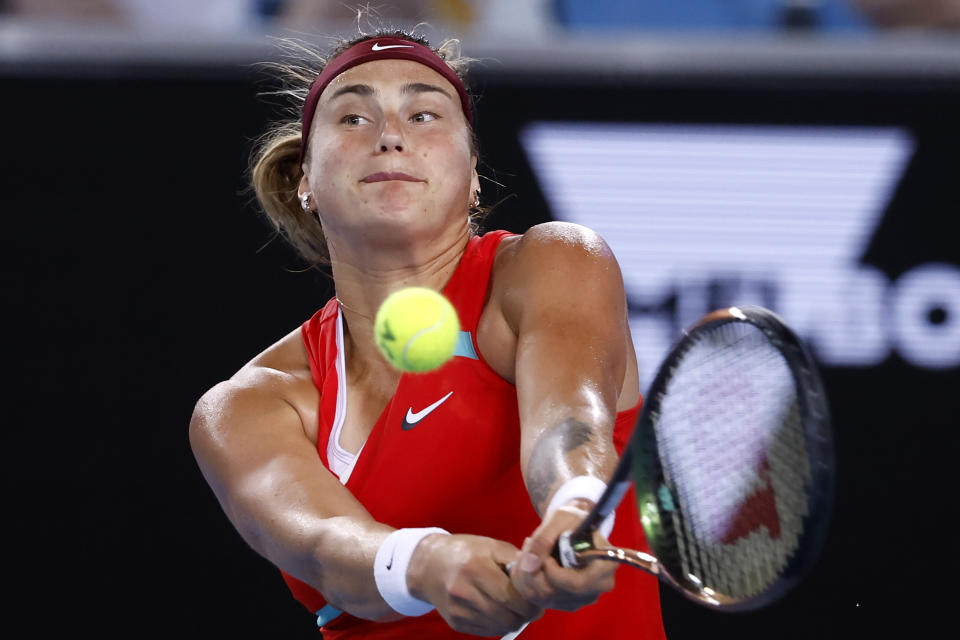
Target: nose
x: 391, y: 137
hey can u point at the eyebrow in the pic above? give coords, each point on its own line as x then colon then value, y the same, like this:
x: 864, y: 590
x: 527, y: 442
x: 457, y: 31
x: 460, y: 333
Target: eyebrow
x: 422, y: 87
x: 359, y: 89
x: 366, y: 90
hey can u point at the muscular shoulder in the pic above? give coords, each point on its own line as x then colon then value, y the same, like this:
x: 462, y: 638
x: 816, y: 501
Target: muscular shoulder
x: 556, y: 259
x: 564, y: 236
x: 277, y: 379
x: 555, y: 247
x: 282, y: 365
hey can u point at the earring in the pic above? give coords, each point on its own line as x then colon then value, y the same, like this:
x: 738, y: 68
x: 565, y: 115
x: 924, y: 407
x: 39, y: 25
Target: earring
x: 476, y: 201
x: 305, y: 202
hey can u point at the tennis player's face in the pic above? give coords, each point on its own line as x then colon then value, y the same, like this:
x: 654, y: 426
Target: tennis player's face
x: 390, y: 151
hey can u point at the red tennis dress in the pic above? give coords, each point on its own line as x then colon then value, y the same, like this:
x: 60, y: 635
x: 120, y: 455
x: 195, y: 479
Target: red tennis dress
x: 446, y: 453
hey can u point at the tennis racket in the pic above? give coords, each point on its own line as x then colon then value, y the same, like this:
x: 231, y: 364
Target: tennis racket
x: 732, y: 461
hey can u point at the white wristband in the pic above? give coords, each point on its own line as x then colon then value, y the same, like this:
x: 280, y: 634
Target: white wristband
x: 589, y: 488
x: 390, y: 570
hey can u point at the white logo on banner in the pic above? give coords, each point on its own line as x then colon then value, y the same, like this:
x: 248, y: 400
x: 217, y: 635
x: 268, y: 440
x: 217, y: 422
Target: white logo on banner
x: 702, y: 217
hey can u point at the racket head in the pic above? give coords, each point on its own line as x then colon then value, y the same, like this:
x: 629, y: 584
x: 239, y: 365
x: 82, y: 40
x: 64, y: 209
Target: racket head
x: 733, y: 461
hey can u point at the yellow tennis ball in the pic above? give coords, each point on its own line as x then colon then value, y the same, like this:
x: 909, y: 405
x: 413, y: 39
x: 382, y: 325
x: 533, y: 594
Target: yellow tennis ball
x: 416, y: 329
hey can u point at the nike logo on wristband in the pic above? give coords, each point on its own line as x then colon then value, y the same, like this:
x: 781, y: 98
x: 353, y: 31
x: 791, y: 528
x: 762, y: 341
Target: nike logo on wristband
x: 411, y: 419
x: 393, y: 552
x: 377, y: 47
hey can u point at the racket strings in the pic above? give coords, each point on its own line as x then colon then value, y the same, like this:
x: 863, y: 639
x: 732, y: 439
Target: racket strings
x: 732, y: 446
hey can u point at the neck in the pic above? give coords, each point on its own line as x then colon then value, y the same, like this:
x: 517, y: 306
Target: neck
x: 364, y: 281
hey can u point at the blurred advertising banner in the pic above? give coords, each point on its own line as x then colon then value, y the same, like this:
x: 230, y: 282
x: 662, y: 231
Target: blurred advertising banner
x: 708, y: 216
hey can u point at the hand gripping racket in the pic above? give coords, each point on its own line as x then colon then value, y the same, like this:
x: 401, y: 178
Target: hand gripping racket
x: 732, y: 461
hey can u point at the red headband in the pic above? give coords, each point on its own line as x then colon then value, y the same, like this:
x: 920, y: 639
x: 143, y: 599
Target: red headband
x: 385, y: 48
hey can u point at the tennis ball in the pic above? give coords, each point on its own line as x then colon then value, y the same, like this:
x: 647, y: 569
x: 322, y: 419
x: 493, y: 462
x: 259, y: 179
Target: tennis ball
x: 416, y: 329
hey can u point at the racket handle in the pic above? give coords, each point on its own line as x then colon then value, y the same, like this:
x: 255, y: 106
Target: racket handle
x: 564, y: 552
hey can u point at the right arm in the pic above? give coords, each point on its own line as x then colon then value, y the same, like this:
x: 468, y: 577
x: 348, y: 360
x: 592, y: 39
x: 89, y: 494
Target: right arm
x: 255, y: 452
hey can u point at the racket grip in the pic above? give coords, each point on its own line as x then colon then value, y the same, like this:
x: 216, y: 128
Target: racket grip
x: 564, y: 552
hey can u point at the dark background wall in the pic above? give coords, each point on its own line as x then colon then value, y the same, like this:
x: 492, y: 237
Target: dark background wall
x: 136, y: 274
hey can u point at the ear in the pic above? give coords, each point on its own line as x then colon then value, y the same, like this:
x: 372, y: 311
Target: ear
x: 474, y: 179
x: 303, y: 188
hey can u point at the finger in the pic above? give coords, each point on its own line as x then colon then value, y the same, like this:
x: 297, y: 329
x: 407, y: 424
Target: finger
x: 528, y: 609
x: 497, y: 610
x: 542, y: 541
x: 584, y: 583
x: 532, y: 587
x: 503, y: 554
x: 507, y: 557
x: 560, y: 594
x: 527, y: 576
x: 593, y: 576
x: 500, y: 587
x: 477, y: 612
x: 532, y: 552
x: 507, y: 606
x: 568, y: 595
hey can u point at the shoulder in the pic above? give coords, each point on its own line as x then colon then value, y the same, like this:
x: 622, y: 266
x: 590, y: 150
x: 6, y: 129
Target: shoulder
x: 555, y: 277
x: 277, y: 380
x: 282, y: 364
x: 555, y: 268
x: 555, y: 254
x: 563, y: 234
x: 561, y: 241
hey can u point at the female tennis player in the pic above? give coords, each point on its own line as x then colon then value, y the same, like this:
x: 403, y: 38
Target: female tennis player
x: 395, y: 503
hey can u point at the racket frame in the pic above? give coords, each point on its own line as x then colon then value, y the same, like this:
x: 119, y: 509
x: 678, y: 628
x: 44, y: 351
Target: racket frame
x: 641, y: 463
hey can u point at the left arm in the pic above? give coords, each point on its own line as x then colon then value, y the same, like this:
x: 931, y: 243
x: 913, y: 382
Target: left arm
x: 563, y: 297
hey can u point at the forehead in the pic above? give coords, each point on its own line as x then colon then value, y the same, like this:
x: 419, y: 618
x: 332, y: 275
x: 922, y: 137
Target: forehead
x: 384, y: 76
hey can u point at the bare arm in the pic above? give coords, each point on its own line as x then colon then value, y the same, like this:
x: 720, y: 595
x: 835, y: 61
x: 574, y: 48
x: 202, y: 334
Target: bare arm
x: 566, y: 303
x: 252, y: 449
x: 569, y: 312
x: 260, y: 459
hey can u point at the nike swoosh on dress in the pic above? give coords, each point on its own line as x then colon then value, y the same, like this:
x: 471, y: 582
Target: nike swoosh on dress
x: 412, y: 418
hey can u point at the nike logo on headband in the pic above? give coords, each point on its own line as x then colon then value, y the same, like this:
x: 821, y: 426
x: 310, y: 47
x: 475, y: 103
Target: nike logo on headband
x: 376, y: 46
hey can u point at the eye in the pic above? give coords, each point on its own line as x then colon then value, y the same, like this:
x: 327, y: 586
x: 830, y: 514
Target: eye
x: 353, y: 119
x: 424, y: 116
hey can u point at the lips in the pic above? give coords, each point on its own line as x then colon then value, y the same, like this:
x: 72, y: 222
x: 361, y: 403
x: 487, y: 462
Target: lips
x: 384, y: 176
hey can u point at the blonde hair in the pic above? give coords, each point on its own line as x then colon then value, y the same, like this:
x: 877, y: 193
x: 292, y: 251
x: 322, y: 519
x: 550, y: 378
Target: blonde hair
x: 276, y: 172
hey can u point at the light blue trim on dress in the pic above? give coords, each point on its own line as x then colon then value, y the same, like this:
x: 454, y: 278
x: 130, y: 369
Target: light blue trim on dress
x: 464, y: 347
x: 327, y: 614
